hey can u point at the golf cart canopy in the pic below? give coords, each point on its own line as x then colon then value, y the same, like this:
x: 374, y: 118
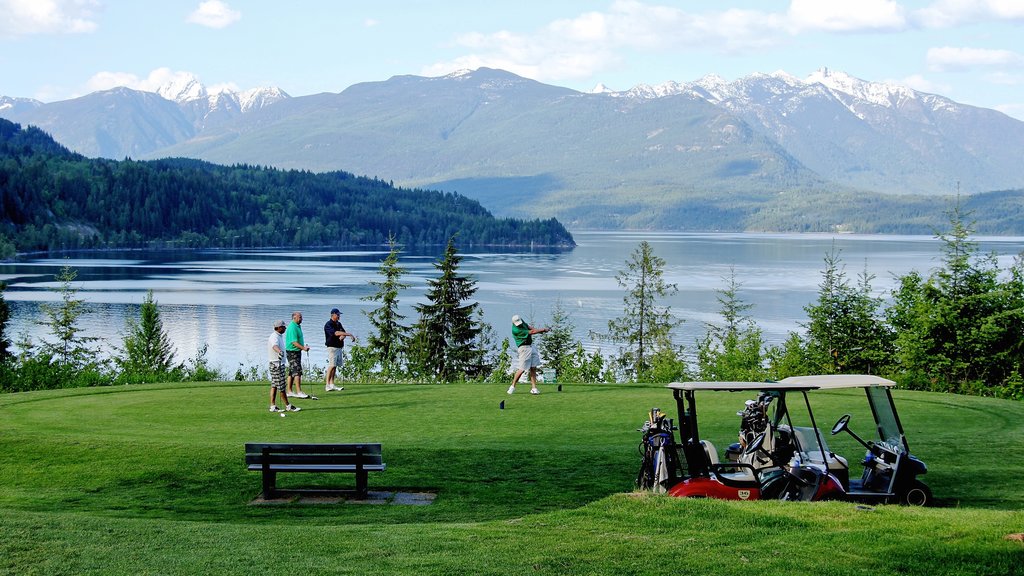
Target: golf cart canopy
x: 887, y: 421
x: 837, y: 381
x: 743, y: 386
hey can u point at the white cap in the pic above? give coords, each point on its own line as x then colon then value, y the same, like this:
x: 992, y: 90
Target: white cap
x: 516, y: 319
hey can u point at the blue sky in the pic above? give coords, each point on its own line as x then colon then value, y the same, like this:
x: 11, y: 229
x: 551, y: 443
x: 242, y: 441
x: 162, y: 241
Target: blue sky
x: 969, y: 50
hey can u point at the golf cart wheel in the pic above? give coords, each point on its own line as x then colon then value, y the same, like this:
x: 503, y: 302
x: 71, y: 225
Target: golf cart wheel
x: 918, y: 494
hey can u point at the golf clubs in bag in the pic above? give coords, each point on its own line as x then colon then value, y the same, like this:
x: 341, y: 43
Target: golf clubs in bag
x: 659, y: 457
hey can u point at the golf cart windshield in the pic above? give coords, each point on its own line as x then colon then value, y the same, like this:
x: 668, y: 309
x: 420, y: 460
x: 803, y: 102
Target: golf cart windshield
x: 889, y: 429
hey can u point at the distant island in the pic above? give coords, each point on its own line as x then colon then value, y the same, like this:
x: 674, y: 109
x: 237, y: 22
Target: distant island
x: 52, y: 199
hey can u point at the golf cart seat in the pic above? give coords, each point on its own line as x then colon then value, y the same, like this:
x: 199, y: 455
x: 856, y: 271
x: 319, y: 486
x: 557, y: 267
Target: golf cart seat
x: 810, y: 454
x: 710, y: 450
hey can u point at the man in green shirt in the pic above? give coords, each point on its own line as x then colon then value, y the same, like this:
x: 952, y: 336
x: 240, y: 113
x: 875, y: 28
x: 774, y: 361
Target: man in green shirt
x: 294, y: 345
x: 529, y: 359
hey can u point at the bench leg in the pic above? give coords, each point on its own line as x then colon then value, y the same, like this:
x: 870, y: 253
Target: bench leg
x: 362, y: 487
x: 269, y: 484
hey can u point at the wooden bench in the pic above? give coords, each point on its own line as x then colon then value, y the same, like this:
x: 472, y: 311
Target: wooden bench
x: 271, y: 458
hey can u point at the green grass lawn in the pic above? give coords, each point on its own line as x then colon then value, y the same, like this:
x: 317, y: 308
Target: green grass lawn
x: 150, y: 480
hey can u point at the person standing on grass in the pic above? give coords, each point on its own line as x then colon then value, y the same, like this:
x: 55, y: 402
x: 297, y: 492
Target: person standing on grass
x: 275, y: 354
x: 335, y: 334
x: 529, y: 358
x: 295, y: 344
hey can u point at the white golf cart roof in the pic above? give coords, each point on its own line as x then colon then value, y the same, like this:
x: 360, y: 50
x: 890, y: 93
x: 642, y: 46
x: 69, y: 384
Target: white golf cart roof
x: 828, y: 382
x: 836, y: 381
x: 741, y: 386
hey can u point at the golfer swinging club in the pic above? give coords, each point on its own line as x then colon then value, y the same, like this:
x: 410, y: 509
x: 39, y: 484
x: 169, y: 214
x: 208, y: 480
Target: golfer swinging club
x: 528, y: 356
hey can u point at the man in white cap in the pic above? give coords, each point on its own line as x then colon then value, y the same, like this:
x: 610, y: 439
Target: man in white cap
x: 275, y: 354
x: 529, y: 359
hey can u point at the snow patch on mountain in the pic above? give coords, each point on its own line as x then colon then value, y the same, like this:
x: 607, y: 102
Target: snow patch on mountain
x: 878, y: 93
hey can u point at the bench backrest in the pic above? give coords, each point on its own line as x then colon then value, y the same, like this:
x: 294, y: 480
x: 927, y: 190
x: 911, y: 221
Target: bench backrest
x: 353, y: 454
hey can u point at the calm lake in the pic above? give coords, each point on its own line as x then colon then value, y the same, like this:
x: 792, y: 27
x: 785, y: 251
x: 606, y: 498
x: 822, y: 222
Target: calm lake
x: 228, y: 300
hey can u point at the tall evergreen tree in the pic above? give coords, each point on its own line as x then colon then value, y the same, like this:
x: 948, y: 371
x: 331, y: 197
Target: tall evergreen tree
x: 962, y: 329
x: 390, y: 336
x: 558, y: 345
x: 5, y: 315
x: 645, y: 326
x: 146, y: 347
x: 443, y: 345
x: 846, y: 332
x: 734, y: 350
x: 71, y: 348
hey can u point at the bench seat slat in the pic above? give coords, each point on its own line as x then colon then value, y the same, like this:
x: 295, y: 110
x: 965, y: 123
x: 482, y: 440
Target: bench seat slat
x: 313, y: 459
x: 256, y: 448
x: 319, y: 467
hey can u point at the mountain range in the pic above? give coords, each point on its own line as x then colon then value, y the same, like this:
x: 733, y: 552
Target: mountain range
x: 764, y: 152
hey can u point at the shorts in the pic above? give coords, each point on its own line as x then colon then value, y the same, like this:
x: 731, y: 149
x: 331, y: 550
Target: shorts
x: 528, y: 357
x: 335, y: 358
x: 277, y: 375
x: 295, y: 362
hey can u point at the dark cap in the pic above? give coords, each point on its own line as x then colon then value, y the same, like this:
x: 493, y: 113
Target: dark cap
x: 335, y: 311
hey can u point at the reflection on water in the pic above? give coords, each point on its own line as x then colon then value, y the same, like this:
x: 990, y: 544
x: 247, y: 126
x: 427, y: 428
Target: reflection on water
x: 229, y: 299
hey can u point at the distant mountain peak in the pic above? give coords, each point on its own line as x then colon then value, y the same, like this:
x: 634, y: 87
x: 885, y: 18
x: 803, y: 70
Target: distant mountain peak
x: 462, y: 73
x: 257, y: 98
x: 878, y: 93
x: 183, y: 88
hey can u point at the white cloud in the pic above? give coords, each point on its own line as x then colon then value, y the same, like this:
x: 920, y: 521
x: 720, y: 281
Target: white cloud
x: 25, y: 17
x: 948, y: 58
x: 846, y: 16
x: 579, y: 47
x: 214, y: 14
x: 948, y: 13
x: 156, y: 79
x: 370, y: 23
x: 922, y: 84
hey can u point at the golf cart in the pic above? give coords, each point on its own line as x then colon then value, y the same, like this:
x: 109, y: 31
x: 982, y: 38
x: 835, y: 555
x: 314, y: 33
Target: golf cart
x: 890, y: 471
x: 767, y: 463
x: 781, y: 452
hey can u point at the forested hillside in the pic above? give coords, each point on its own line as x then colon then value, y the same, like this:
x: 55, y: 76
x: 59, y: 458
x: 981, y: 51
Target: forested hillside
x: 52, y: 199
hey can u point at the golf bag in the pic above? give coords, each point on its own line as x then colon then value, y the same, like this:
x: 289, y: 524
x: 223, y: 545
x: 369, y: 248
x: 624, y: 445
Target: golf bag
x: 659, y: 453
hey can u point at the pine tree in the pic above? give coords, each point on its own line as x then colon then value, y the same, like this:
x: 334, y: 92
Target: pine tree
x: 557, y: 345
x: 146, y: 348
x: 5, y: 315
x: 71, y: 349
x: 732, y: 351
x: 391, y: 335
x: 645, y: 327
x: 443, y: 345
x: 962, y: 329
x: 846, y: 332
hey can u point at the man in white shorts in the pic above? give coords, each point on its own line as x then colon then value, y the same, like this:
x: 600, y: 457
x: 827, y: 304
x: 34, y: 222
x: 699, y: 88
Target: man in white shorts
x: 529, y: 359
x: 335, y: 334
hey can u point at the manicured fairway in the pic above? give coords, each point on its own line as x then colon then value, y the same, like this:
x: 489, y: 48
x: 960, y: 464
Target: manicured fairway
x: 150, y: 480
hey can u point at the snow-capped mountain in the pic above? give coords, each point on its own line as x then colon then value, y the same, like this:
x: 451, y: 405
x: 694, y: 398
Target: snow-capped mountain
x: 123, y: 122
x: 871, y: 135
x: 653, y: 155
x: 10, y: 104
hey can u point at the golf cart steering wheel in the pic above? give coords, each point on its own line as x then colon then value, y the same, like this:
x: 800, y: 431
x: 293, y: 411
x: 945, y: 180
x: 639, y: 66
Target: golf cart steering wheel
x: 841, y: 424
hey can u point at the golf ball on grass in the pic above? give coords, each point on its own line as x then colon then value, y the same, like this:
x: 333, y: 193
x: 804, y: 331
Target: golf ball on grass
x: 282, y: 414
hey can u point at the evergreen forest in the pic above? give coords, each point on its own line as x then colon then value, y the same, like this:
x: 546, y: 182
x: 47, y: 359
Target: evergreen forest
x: 52, y: 200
